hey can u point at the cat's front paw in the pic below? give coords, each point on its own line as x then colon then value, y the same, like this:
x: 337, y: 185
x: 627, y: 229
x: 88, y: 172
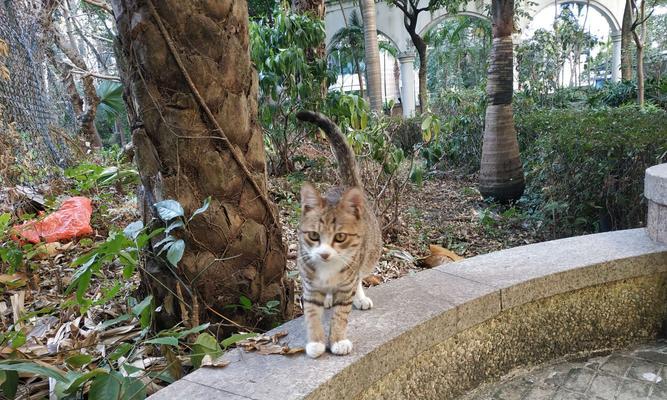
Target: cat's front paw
x: 342, y: 347
x: 315, y: 349
x: 362, y: 303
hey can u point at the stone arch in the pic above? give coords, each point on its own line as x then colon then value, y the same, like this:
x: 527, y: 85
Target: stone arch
x: 614, y: 25
x: 435, y: 21
x: 393, y: 41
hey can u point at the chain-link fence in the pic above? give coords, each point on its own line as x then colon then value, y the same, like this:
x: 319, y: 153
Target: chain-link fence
x: 30, y: 106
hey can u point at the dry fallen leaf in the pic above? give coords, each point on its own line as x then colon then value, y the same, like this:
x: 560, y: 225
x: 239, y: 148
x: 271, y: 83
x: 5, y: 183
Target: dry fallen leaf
x: 14, y: 280
x: 265, y: 345
x: 373, y: 280
x: 439, y: 255
x: 208, y: 361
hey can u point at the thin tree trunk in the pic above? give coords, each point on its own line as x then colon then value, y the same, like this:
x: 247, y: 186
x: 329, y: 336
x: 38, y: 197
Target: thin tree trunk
x: 501, y: 172
x: 626, y: 42
x: 316, y: 9
x: 196, y: 135
x: 640, y: 40
x: 423, y: 89
x: 372, y: 53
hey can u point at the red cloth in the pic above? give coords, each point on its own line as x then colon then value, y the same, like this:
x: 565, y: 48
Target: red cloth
x: 71, y: 220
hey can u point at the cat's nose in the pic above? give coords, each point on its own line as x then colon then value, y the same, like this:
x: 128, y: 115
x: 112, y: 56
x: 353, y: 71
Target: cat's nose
x: 325, y: 255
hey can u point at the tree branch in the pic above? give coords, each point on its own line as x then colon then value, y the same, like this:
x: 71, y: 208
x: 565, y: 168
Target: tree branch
x: 101, y: 4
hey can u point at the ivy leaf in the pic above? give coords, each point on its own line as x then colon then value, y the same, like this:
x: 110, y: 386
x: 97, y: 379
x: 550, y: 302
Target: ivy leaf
x: 169, y: 209
x: 174, y: 225
x: 134, y: 229
x: 175, y: 252
x: 207, y: 202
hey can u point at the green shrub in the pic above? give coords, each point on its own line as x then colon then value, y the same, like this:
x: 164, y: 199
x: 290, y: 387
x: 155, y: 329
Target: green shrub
x: 406, y: 133
x: 585, y: 168
x: 462, y: 129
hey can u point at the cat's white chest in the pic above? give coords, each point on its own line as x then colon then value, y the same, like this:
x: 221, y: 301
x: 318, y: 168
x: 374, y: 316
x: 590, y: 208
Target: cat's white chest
x: 328, y: 275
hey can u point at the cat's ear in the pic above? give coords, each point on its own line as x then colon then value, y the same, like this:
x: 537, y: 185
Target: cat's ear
x: 353, y: 201
x: 310, y: 198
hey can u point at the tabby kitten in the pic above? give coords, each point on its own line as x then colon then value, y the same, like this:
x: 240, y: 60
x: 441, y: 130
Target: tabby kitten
x: 339, y: 243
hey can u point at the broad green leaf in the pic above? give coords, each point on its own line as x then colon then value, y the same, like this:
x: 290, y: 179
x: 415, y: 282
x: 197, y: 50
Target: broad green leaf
x: 134, y: 229
x: 206, y: 344
x: 83, y: 284
x: 120, y: 351
x: 10, y: 383
x: 207, y: 202
x: 196, y: 329
x: 79, y: 360
x: 75, y: 380
x: 143, y: 311
x: 169, y: 209
x: 175, y: 252
x: 32, y: 368
x: 111, y: 322
x: 115, y: 386
x: 245, y: 302
x: 167, y: 340
x: 4, y: 222
x: 426, y: 123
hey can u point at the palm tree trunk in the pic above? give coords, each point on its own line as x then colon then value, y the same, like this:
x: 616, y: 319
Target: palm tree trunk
x: 372, y: 53
x: 196, y: 135
x: 501, y: 172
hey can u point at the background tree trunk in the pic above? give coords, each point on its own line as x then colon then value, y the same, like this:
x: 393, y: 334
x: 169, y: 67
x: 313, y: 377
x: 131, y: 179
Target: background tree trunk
x: 626, y: 42
x: 640, y: 40
x: 501, y: 172
x: 372, y: 52
x: 420, y: 45
x: 316, y: 9
x: 235, y: 248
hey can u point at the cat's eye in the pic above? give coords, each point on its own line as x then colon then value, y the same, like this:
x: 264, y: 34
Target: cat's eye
x: 314, y: 236
x: 340, y: 237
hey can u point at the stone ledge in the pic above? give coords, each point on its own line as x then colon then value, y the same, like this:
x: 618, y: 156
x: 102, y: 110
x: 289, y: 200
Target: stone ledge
x: 423, y: 312
x: 655, y: 184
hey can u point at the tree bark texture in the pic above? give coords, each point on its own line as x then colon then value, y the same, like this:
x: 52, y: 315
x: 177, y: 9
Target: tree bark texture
x: 501, y: 172
x: 235, y: 248
x: 626, y: 42
x: 423, y: 68
x: 372, y: 53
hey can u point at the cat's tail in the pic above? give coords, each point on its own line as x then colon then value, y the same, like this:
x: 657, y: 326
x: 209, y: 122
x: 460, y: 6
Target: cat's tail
x: 347, y: 165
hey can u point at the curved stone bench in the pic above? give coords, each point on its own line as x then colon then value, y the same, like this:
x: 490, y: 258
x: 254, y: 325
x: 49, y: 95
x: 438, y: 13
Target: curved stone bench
x: 439, y: 333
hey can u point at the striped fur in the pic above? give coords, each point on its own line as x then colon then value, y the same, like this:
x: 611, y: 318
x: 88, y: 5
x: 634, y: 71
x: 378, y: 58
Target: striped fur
x: 339, y: 243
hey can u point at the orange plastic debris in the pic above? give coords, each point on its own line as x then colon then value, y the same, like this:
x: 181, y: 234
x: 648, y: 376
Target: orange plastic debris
x: 71, y: 220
